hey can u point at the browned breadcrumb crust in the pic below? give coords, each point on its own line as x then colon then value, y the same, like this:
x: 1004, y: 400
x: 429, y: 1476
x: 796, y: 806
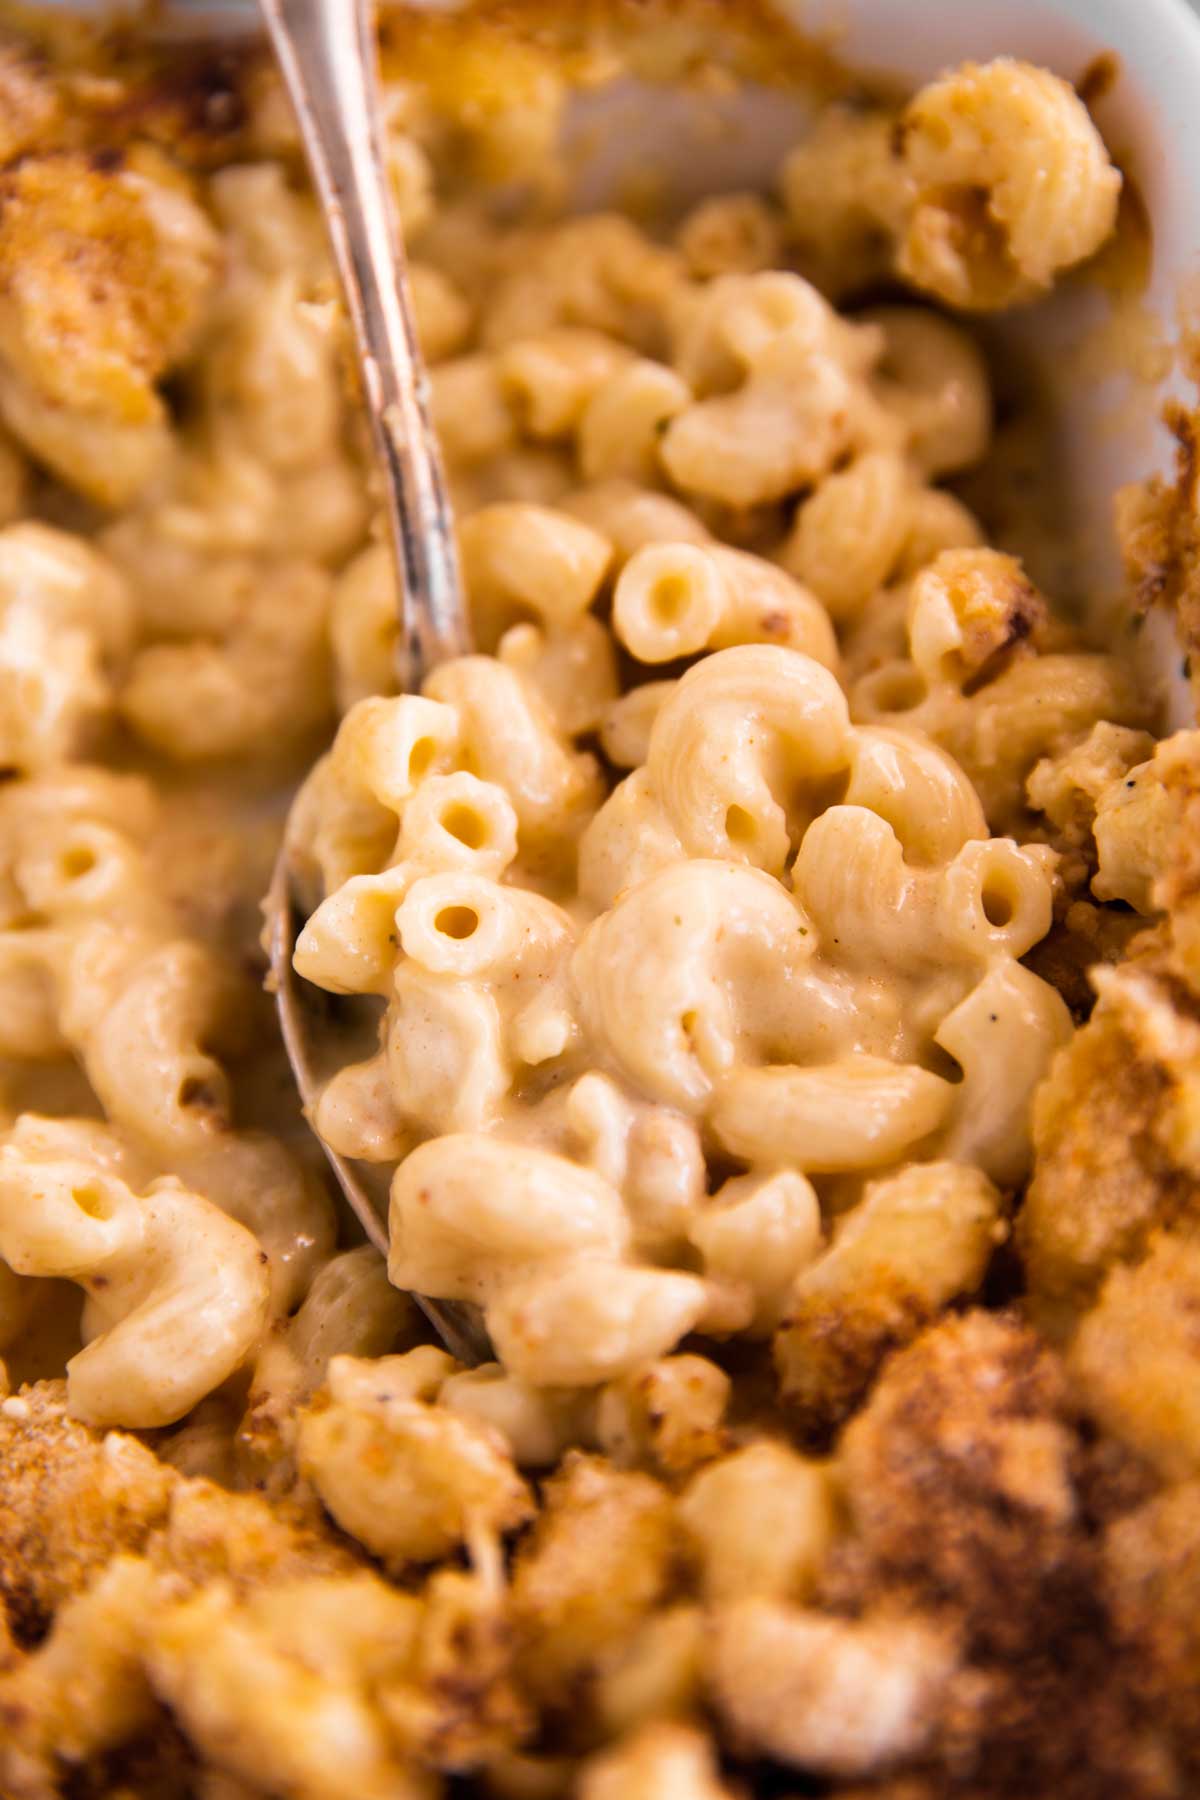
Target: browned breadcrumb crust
x: 75, y: 1499
x: 65, y: 86
x: 1160, y: 537
x: 1103, y: 1178
x: 964, y: 1475
x: 1005, y: 1481
x: 828, y: 1353
x: 655, y: 39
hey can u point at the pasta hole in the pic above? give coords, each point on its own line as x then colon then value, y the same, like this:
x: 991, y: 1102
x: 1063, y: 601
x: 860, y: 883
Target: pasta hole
x: 465, y: 824
x: 77, y: 863
x: 997, y: 903
x: 457, y: 922
x: 195, y: 1092
x: 669, y: 599
x: 687, y: 1024
x: 92, y: 1200
x: 740, y: 827
x: 420, y: 758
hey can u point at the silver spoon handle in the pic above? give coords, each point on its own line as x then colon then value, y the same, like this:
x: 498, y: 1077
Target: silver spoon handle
x: 327, y: 56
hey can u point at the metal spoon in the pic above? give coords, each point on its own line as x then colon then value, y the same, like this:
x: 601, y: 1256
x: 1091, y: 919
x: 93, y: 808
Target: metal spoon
x: 327, y: 57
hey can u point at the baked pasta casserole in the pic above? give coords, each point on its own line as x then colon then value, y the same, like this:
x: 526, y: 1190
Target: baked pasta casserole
x: 779, y: 941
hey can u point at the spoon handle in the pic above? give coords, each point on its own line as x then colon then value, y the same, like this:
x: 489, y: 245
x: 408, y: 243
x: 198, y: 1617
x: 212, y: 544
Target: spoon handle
x: 326, y: 53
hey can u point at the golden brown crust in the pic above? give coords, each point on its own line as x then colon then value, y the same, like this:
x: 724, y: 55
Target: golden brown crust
x: 962, y: 1473
x: 74, y: 1498
x: 600, y: 1558
x: 828, y: 1352
x: 71, y: 1502
x: 1152, y: 1579
x: 1102, y: 1179
x: 94, y: 307
x: 959, y: 1473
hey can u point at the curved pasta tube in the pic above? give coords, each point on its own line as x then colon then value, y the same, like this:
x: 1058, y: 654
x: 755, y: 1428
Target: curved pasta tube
x: 111, y: 461
x: 66, y: 626
x: 364, y: 623
x: 509, y: 738
x: 728, y: 326
x: 997, y: 898
x: 265, y: 681
x: 459, y: 822
x: 675, y: 599
x: 356, y: 1113
x: 630, y: 516
x: 685, y: 966
x: 801, y: 393
x: 464, y: 928
x: 548, y: 379
x: 348, y: 945
x: 351, y: 1309
x: 651, y: 1154
x: 779, y: 432
x: 522, y: 561
x: 469, y: 1212
x: 75, y: 870
x: 851, y: 877
x: 573, y: 671
x: 627, y: 723
x: 967, y: 607
x: 919, y: 789
x: 445, y: 1055
x: 143, y: 1045
x: 629, y: 839
x: 257, y: 1181
x: 623, y: 421
x: 29, y: 1026
x: 756, y: 1235
x: 464, y: 925
x: 1013, y: 183
x: 849, y: 533
x: 178, y: 1291
x: 279, y: 379
x: 346, y: 816
x: 858, y: 1113
x: 935, y: 377
x: 1003, y: 1035
x: 592, y: 1320
x: 740, y: 727
x: 176, y: 1324
x: 385, y: 748
x: 452, y: 822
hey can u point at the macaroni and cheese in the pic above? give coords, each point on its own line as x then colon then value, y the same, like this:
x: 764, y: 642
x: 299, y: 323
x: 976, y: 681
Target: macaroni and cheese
x: 778, y: 936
